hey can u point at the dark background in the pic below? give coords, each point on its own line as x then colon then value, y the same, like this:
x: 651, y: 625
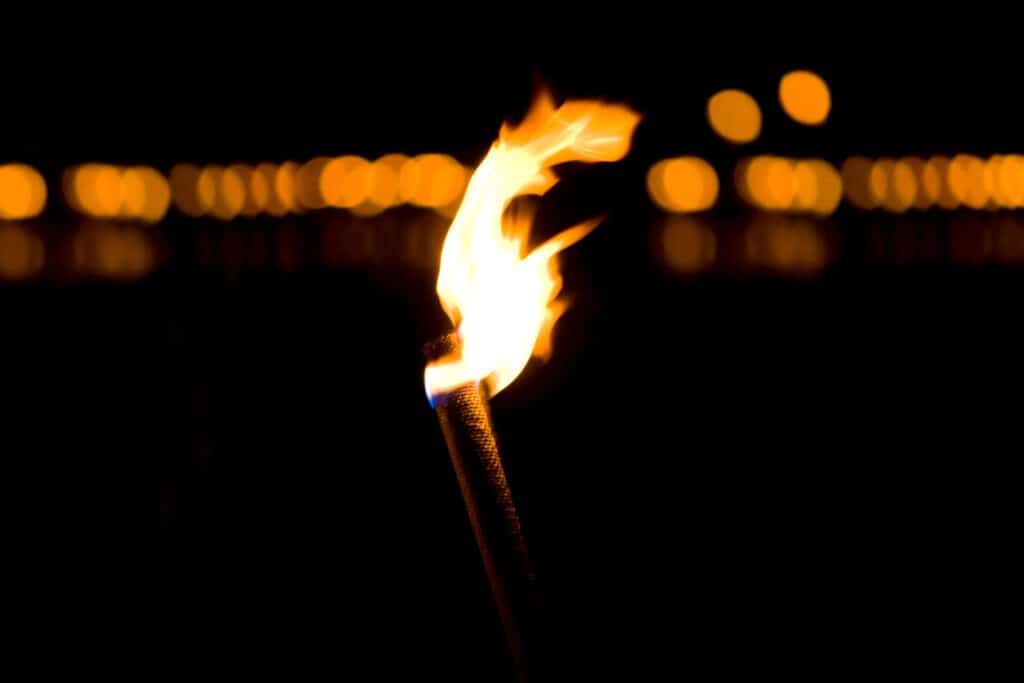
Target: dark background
x: 727, y: 474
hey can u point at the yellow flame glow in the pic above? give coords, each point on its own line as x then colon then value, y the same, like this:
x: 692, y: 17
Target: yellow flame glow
x: 502, y: 302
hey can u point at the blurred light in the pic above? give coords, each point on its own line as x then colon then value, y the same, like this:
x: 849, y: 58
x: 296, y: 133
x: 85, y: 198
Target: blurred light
x: 805, y: 97
x: 830, y: 187
x: 97, y: 190
x: 108, y: 191
x: 929, y: 182
x: 252, y: 202
x: 957, y: 178
x: 184, y: 180
x: 781, y: 184
x: 755, y: 181
x: 22, y: 192
x: 230, y: 194
x: 1011, y: 180
x: 901, y: 186
x: 408, y: 180
x: 133, y: 193
x: 734, y: 115
x: 207, y: 187
x: 771, y: 182
x: 687, y: 244
x: 383, y: 180
x: 441, y: 181
x: 257, y: 190
x: 806, y: 186
x: 284, y: 185
x: 948, y: 199
x: 656, y: 184
x: 684, y: 184
x: 878, y: 181
x: 344, y: 181
x: 307, y: 184
x: 145, y: 194
x: 264, y: 180
x: 856, y: 181
x: 977, y: 194
x: 21, y: 252
x: 158, y: 194
x: 993, y: 166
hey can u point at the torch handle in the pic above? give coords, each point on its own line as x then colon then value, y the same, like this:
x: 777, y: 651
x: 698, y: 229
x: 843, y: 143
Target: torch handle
x: 466, y: 422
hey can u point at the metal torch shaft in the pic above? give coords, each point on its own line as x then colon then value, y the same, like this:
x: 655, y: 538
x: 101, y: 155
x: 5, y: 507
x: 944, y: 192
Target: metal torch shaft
x: 466, y: 422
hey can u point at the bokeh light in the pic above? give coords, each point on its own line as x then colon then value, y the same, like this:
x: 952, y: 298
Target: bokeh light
x: 440, y: 181
x: 1011, y: 180
x: 734, y: 115
x: 901, y: 185
x: 207, y: 188
x: 805, y: 97
x: 264, y: 181
x: 929, y: 182
x: 948, y: 199
x: 383, y: 180
x: 284, y: 185
x: 307, y: 184
x: 771, y: 182
x: 683, y: 184
x: 780, y: 184
x: 830, y: 187
x: 230, y: 194
x: 22, y: 192
x: 878, y: 180
x: 344, y: 182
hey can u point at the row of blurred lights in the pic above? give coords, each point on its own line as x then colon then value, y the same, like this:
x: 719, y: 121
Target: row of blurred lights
x: 682, y: 184
x: 689, y: 184
x: 434, y: 181
x: 798, y: 246
x: 780, y: 184
x: 107, y: 191
x: 963, y: 181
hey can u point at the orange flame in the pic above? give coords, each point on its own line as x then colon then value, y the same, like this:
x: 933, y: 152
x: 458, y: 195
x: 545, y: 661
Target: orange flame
x: 502, y: 302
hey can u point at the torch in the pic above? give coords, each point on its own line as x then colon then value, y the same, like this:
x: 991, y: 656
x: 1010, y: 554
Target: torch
x: 502, y: 300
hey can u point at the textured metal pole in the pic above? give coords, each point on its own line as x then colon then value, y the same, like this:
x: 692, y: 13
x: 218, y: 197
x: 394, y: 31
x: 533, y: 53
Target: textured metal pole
x: 466, y: 422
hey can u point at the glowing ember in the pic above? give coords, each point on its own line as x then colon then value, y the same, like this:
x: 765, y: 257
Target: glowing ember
x: 502, y: 301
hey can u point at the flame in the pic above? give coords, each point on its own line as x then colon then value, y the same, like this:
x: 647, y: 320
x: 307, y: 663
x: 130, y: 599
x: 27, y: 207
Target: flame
x: 502, y: 301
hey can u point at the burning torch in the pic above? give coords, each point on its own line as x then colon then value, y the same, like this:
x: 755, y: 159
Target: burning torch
x: 502, y: 300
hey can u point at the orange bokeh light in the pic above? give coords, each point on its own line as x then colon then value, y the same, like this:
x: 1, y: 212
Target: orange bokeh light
x: 683, y: 184
x: 22, y: 192
x: 734, y: 115
x: 805, y: 97
x: 344, y: 181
